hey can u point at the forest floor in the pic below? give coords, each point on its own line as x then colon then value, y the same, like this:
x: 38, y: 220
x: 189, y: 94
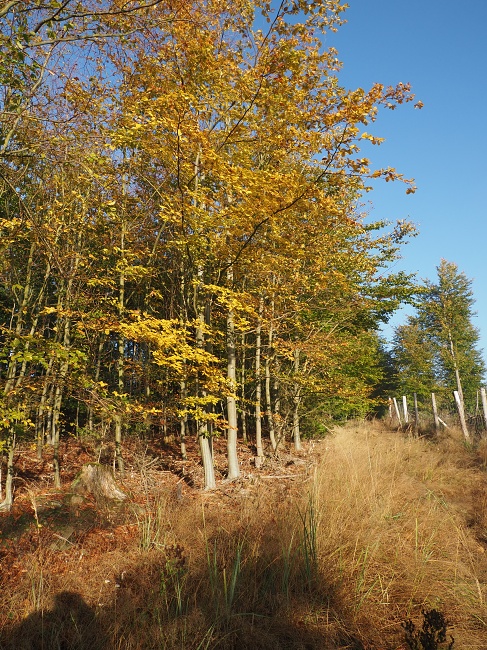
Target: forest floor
x: 334, y: 547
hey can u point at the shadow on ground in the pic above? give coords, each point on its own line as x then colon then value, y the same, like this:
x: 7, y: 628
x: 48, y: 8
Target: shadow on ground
x: 70, y: 625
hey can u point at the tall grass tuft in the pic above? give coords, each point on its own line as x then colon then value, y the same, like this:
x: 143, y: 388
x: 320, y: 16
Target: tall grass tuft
x: 223, y: 579
x: 151, y: 525
x: 309, y: 545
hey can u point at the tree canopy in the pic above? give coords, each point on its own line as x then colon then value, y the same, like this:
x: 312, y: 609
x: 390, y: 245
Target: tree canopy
x: 181, y: 229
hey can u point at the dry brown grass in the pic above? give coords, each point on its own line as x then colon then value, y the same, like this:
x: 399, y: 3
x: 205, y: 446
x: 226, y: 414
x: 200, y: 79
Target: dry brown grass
x: 364, y: 530
x: 403, y: 528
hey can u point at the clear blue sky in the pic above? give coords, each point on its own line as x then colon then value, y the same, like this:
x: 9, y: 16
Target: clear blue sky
x: 440, y: 47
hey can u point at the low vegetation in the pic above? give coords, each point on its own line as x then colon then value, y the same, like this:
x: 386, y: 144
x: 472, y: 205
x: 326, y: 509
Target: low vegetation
x: 352, y: 543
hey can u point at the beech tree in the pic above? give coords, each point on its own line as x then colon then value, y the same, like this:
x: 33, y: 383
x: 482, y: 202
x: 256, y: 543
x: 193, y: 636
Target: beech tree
x: 413, y: 354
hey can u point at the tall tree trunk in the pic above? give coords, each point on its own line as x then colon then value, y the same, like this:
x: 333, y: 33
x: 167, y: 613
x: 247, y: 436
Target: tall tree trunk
x: 121, y: 356
x: 183, y: 319
x: 296, y: 404
x: 268, y: 394
x: 9, y: 493
x: 258, y: 387
x: 65, y: 342
x: 41, y: 410
x: 243, y: 410
x: 56, y: 412
x: 278, y: 419
x: 183, y: 423
x: 202, y: 429
x: 96, y: 378
x: 456, y: 370
x: 11, y: 378
x: 232, y: 458
x: 460, y: 402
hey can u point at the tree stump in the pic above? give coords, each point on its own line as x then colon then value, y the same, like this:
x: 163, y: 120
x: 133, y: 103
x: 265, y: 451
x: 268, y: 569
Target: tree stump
x: 97, y: 480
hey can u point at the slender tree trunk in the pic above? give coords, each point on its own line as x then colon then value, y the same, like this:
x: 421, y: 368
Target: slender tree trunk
x: 55, y: 435
x: 243, y: 411
x: 41, y: 411
x: 57, y: 403
x: 183, y: 319
x: 203, y: 431
x: 9, y: 493
x: 267, y: 370
x: 296, y: 404
x: 268, y: 394
x: 22, y: 310
x: 457, y: 371
x: 56, y: 415
x: 96, y: 377
x: 258, y: 387
x: 183, y: 422
x: 278, y: 419
x: 232, y: 458
x: 118, y: 421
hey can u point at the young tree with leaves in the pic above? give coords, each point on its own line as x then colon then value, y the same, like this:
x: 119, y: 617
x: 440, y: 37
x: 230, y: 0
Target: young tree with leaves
x: 439, y: 345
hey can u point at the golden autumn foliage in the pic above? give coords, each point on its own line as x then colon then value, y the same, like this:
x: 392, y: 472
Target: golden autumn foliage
x: 180, y: 193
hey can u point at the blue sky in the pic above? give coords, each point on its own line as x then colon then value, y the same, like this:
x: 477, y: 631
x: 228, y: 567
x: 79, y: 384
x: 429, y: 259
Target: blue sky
x: 440, y: 47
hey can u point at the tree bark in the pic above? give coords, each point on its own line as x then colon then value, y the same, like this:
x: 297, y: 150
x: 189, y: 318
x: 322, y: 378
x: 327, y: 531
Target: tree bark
x: 9, y: 493
x: 258, y: 387
x: 232, y: 458
x: 203, y: 431
x: 243, y: 410
x: 183, y: 422
x: 296, y: 404
x: 268, y: 394
x: 121, y: 356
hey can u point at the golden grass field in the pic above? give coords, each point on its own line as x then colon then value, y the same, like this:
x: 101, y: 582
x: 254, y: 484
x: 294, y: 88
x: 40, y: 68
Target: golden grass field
x: 332, y: 548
